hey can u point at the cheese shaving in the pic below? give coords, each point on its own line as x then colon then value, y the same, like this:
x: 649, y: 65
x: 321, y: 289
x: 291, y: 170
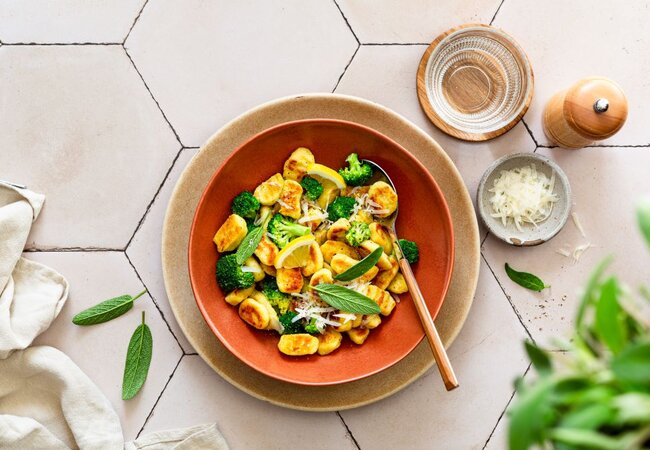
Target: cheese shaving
x: 578, y: 225
x: 579, y: 250
x: 523, y: 195
x: 248, y: 269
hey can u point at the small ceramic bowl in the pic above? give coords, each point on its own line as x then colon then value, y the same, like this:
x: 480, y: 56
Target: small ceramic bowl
x: 531, y: 234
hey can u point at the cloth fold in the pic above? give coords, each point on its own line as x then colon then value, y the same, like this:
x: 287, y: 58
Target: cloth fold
x: 46, y: 401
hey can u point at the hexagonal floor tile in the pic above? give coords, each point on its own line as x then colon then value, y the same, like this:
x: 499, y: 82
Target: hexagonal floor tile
x: 386, y: 75
x: 608, y: 218
x: 606, y: 39
x: 388, y: 21
x: 100, y: 350
x: 144, y: 250
x: 196, y: 394
x: 66, y: 20
x: 487, y: 356
x: 88, y: 135
x: 206, y: 62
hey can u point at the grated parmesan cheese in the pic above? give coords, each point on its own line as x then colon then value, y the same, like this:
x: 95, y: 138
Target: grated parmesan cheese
x: 578, y: 225
x: 523, y: 195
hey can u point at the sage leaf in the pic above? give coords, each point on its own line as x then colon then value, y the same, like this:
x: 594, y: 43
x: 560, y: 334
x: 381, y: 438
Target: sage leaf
x: 362, y: 266
x: 589, y: 296
x: 529, y: 417
x: 249, y: 244
x: 539, y: 358
x: 346, y: 299
x: 609, y: 323
x: 643, y: 217
x: 138, y: 359
x: 525, y: 279
x: 106, y: 310
x: 585, y: 439
x: 632, y: 365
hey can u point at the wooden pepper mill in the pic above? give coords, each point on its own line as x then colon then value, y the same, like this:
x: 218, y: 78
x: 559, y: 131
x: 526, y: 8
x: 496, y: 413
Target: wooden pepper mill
x: 591, y: 110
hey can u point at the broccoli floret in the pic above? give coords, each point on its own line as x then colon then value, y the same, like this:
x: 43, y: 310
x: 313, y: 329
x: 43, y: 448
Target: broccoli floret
x: 289, y: 326
x: 357, y: 173
x: 341, y: 207
x: 245, y: 205
x: 410, y: 250
x: 250, y: 224
x: 311, y: 327
x: 230, y: 276
x: 282, y: 230
x: 357, y: 233
x: 311, y: 187
x: 279, y: 300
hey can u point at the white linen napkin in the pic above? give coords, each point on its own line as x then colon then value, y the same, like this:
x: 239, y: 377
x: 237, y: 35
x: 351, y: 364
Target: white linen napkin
x: 46, y: 401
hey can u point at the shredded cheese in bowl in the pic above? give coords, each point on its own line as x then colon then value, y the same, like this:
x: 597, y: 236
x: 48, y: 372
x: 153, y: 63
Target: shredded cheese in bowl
x: 523, y: 195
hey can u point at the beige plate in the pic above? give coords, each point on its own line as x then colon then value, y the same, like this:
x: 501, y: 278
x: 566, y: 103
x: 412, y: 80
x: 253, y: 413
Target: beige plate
x: 179, y: 219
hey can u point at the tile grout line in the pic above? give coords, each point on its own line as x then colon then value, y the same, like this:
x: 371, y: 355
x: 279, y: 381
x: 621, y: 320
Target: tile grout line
x: 378, y: 44
x: 346, y: 68
x: 152, y: 97
x: 497, y: 11
x: 159, y: 396
x: 135, y: 21
x: 71, y: 249
x: 54, y: 44
x: 347, y: 22
x: 530, y: 132
x: 521, y: 321
x: 153, y: 200
x: 162, y: 315
x: 348, y: 432
x: 505, y: 409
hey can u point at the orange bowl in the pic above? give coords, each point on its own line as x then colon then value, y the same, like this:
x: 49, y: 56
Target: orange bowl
x: 423, y: 218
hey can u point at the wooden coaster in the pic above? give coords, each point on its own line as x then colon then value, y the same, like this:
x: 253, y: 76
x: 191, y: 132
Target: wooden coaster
x: 179, y: 218
x: 475, y: 82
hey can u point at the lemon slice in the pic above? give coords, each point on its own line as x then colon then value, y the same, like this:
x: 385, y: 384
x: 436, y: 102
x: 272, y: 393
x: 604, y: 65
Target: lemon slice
x: 295, y: 254
x: 326, y: 176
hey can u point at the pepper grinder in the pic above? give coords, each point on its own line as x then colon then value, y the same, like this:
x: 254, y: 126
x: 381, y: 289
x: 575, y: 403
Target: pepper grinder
x: 591, y: 110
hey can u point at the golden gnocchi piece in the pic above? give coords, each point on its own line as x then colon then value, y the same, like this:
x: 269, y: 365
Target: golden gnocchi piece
x: 269, y: 270
x: 338, y: 229
x: 313, y: 222
x: 371, y: 321
x: 340, y: 263
x: 274, y: 322
x: 384, y: 277
x: 320, y: 236
x: 398, y: 285
x: 382, y: 298
x: 363, y: 216
x: 382, y: 194
x: 379, y: 235
x: 239, y: 295
x: 367, y: 247
x: 331, y: 248
x: 321, y: 276
x: 268, y: 192
x: 358, y: 335
x: 256, y: 269
x: 267, y: 251
x: 329, y: 341
x: 289, y: 280
x: 290, y: 199
x: 315, y: 262
x: 346, y: 324
x: 254, y: 313
x: 358, y: 320
x: 330, y: 192
x: 231, y: 233
x: 297, y: 165
x: 298, y: 344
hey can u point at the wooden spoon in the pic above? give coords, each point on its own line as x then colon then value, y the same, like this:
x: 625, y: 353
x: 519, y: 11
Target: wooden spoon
x: 439, y: 352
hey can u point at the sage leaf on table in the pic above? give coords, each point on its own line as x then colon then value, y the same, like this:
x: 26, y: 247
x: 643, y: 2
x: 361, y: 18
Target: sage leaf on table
x: 643, y: 217
x: 525, y: 279
x: 249, y: 244
x: 346, y: 299
x: 106, y: 310
x: 361, y: 267
x: 138, y: 359
x: 538, y: 358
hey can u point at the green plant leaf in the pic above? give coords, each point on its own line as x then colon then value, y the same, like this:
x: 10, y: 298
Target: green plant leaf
x: 361, y: 267
x: 633, y: 408
x: 585, y: 439
x: 106, y: 310
x: 589, y: 295
x: 632, y: 365
x: 609, y: 321
x: 346, y: 299
x: 589, y: 416
x: 643, y: 218
x: 525, y: 279
x: 249, y: 244
x: 529, y: 416
x: 138, y: 359
x: 539, y: 358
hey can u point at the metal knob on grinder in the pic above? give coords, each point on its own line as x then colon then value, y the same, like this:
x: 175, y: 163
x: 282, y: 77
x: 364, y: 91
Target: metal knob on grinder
x: 591, y: 110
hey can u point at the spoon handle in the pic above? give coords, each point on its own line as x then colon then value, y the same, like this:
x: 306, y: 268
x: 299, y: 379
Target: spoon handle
x: 439, y: 352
